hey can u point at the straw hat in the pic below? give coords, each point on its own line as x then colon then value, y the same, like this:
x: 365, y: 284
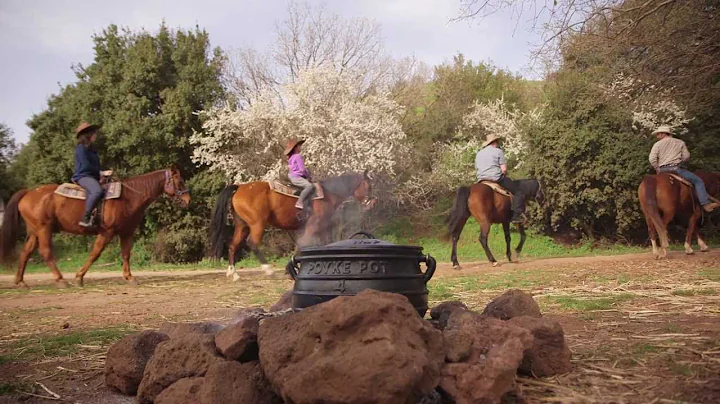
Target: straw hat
x: 290, y: 145
x: 663, y: 129
x: 491, y: 138
x: 85, y: 127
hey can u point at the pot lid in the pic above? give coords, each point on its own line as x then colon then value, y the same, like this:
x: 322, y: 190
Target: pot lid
x: 370, y: 242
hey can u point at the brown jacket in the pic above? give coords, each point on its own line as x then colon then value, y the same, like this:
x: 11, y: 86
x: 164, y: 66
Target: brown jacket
x: 669, y: 151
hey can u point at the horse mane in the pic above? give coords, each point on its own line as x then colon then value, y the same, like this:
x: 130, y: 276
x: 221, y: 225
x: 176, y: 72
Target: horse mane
x: 342, y: 185
x: 145, y: 183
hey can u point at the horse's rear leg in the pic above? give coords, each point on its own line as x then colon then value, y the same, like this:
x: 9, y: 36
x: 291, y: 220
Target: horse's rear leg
x: 126, y: 244
x: 455, y: 237
x: 523, y: 237
x: 703, y: 246
x: 31, y: 244
x: 692, y: 229
x: 241, y: 233
x: 100, y: 242
x: 45, y: 250
x: 508, y: 249
x: 256, y: 235
x: 484, y: 231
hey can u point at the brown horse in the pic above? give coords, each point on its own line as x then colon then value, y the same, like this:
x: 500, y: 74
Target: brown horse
x: 46, y: 212
x: 663, y: 199
x: 488, y: 207
x: 254, y: 206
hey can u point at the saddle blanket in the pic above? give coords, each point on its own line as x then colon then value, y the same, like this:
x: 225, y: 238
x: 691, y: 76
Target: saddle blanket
x: 681, y: 180
x: 497, y: 188
x: 73, y: 191
x: 294, y: 192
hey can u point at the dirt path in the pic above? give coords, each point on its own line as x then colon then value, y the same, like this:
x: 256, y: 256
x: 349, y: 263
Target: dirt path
x: 640, y: 330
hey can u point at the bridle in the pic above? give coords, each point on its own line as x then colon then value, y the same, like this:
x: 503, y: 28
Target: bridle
x: 171, y: 187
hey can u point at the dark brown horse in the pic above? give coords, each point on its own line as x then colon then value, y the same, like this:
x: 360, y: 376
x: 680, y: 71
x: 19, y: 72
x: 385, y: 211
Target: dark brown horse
x: 663, y: 199
x: 46, y: 212
x: 255, y: 206
x: 488, y: 207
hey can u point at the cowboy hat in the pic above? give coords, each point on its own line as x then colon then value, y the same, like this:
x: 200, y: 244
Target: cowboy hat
x: 290, y: 145
x: 85, y: 127
x: 663, y: 129
x: 491, y: 138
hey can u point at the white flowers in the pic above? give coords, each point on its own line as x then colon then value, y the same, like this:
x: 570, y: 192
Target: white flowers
x: 344, y: 131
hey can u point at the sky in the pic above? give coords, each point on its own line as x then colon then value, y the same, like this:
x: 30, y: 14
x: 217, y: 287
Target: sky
x: 40, y: 40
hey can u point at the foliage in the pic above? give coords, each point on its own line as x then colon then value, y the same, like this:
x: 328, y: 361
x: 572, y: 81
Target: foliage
x: 344, y: 132
x: 8, y: 150
x: 143, y: 90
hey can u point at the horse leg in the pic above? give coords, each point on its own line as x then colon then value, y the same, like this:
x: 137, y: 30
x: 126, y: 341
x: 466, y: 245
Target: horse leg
x: 664, y: 243
x: 523, y: 237
x: 703, y: 247
x: 484, y: 231
x: 126, y: 244
x: 455, y: 237
x: 240, y: 234
x: 691, y: 230
x: 30, y: 245
x: 45, y: 249
x: 508, y: 250
x: 256, y: 235
x: 100, y: 242
x: 652, y: 234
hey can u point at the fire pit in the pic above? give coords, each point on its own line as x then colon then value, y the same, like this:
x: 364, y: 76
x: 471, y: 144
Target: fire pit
x: 349, y: 266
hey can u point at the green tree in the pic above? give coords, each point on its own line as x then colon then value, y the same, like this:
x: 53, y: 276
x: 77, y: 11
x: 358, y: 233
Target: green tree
x: 8, y: 181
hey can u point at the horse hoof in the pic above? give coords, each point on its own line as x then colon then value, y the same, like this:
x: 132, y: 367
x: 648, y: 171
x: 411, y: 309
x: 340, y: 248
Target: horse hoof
x: 230, y: 271
x: 62, y: 284
x: 495, y: 263
x: 457, y: 267
x: 267, y: 268
x: 707, y: 249
x: 132, y: 282
x: 79, y: 282
x: 236, y: 277
x: 689, y: 252
x: 22, y: 285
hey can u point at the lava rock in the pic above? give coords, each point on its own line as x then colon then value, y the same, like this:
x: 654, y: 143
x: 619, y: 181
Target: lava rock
x: 367, y: 348
x: 235, y: 383
x: 239, y: 341
x: 441, y: 312
x: 175, y: 330
x: 242, y: 314
x: 482, y: 355
x: 284, y: 303
x: 549, y: 354
x: 183, y: 391
x: 513, y: 303
x: 190, y: 355
x: 126, y: 360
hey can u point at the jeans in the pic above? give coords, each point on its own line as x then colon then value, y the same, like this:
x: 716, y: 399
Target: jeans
x: 307, y: 187
x: 93, y: 193
x: 694, y: 179
x: 518, y: 200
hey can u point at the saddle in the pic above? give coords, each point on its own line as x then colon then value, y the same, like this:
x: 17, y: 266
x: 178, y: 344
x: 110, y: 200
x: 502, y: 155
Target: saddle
x: 680, y: 180
x: 286, y: 188
x: 497, y: 188
x: 113, y: 190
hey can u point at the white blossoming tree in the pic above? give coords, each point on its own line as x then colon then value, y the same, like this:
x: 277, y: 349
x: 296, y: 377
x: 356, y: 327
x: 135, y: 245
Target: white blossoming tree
x: 344, y: 131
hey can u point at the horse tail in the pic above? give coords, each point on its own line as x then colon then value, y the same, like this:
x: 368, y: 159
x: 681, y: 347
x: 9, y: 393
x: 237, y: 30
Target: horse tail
x: 651, y: 209
x: 459, y: 212
x: 10, y: 227
x: 220, y: 231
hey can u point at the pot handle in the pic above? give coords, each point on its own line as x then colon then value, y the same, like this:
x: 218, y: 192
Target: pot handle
x: 291, y: 268
x: 431, y: 264
x: 364, y: 233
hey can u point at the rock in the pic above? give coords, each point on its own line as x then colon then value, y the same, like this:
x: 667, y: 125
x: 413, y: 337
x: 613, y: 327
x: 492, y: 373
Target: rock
x: 189, y: 355
x: 513, y: 397
x: 242, y: 314
x: 126, y: 360
x: 549, y: 354
x: 238, y: 342
x: 284, y: 303
x: 441, y: 312
x: 174, y: 330
x: 513, y: 303
x: 482, y: 355
x: 432, y: 398
x: 367, y: 348
x: 183, y: 391
x: 232, y: 382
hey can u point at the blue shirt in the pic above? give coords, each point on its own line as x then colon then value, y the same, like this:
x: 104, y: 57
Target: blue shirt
x: 488, y: 162
x: 87, y: 163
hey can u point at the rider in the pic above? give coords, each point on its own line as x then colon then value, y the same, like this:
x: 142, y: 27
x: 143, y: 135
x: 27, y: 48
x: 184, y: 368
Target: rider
x: 298, y: 174
x: 491, y: 166
x: 668, y: 153
x: 87, y: 169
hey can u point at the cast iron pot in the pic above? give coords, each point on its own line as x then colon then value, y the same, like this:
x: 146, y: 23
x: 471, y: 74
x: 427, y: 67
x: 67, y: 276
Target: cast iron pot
x: 346, y: 267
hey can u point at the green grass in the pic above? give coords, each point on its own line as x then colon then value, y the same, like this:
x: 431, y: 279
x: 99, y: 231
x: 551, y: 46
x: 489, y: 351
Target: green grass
x: 695, y: 292
x: 64, y: 344
x: 644, y: 349
x: 712, y: 273
x: 7, y: 388
x: 569, y: 303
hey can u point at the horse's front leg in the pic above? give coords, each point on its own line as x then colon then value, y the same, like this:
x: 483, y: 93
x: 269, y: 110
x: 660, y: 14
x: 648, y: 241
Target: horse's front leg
x: 508, y: 249
x: 126, y: 244
x: 523, y: 237
x: 692, y: 229
x: 100, y: 242
x: 484, y: 232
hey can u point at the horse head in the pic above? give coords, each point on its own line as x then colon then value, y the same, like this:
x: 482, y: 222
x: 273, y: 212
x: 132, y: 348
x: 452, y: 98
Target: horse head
x: 540, y: 194
x: 175, y: 187
x: 363, y: 192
